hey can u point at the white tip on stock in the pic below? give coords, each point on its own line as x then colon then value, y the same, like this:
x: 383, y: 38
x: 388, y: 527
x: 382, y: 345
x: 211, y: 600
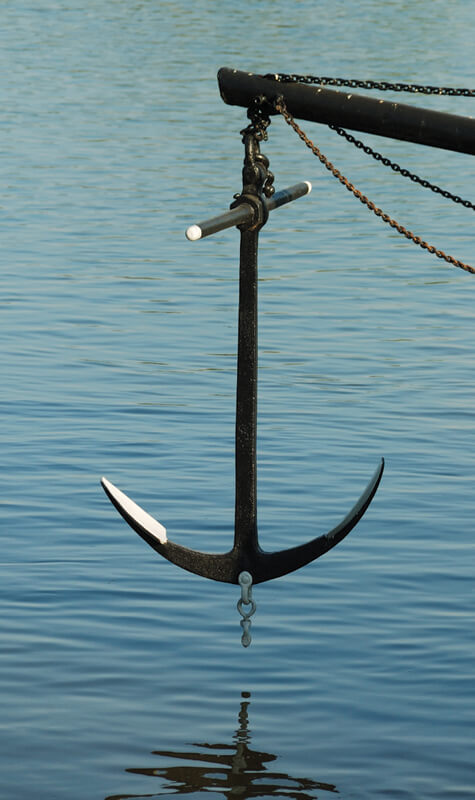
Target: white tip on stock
x: 193, y: 233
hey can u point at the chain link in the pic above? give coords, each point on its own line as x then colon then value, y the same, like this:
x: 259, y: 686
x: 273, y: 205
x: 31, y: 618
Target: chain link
x: 281, y: 108
x: 258, y: 113
x: 383, y: 86
x: 245, y: 582
x: 401, y: 170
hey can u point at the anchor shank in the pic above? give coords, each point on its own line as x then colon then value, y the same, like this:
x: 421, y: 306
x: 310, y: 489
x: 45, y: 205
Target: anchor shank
x: 245, y: 530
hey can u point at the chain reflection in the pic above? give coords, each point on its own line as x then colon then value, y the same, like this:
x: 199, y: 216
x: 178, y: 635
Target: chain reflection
x: 228, y: 770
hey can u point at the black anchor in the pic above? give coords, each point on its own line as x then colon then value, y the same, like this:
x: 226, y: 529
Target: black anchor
x: 249, y: 212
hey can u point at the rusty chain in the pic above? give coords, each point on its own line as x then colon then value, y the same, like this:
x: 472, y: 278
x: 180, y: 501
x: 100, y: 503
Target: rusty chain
x: 281, y: 108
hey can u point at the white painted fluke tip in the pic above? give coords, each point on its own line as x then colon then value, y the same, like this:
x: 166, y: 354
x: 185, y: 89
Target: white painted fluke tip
x: 193, y: 233
x: 151, y: 525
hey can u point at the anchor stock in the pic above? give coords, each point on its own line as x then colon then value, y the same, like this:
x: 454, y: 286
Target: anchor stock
x: 243, y: 213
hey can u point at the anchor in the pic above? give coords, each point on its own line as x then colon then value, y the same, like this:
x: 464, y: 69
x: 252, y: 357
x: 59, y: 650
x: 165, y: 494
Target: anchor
x: 246, y: 563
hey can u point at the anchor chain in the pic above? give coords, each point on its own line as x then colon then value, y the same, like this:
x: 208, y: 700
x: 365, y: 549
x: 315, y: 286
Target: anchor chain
x: 256, y: 174
x: 258, y: 113
x: 281, y: 108
x: 401, y: 170
x: 382, y: 86
x: 245, y: 582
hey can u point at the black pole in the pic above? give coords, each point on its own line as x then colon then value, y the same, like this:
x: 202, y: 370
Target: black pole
x: 245, y: 521
x: 354, y: 111
x: 257, y: 186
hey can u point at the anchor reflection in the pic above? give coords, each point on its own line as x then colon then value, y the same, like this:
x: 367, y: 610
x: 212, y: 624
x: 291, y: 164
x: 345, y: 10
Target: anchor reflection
x: 231, y: 770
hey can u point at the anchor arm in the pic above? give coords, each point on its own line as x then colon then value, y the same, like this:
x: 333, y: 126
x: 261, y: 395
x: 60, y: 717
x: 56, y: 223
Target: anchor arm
x: 216, y: 566
x: 268, y: 566
x: 245, y: 555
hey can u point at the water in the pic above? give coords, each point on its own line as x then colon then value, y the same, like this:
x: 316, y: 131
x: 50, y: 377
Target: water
x: 122, y: 676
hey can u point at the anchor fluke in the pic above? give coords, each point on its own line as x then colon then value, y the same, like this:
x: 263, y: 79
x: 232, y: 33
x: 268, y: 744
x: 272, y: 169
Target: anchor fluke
x: 131, y: 511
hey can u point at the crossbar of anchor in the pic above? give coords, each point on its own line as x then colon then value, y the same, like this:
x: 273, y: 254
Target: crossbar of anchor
x: 243, y: 214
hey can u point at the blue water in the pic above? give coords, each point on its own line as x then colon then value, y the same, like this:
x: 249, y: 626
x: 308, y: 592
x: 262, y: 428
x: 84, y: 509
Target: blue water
x: 120, y: 675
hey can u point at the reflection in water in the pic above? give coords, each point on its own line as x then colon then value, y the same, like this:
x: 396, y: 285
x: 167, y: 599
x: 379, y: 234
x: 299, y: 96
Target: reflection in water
x: 232, y: 770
